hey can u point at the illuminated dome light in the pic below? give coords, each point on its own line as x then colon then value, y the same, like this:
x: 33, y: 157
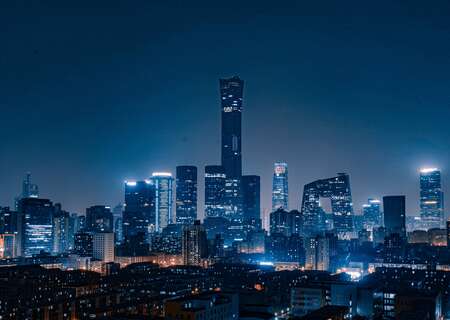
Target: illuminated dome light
x: 428, y: 170
x: 161, y: 174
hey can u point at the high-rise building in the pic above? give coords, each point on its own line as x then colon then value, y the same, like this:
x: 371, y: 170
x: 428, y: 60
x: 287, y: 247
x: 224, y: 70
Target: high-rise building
x: 139, y: 212
x: 286, y: 222
x: 251, y: 197
x: 214, y: 191
x: 186, y: 195
x: 317, y: 250
x: 337, y: 189
x: 163, y: 182
x: 29, y: 189
x: 372, y: 214
x: 62, y: 236
x: 37, y: 228
x: 194, y: 244
x: 99, y: 219
x: 231, y: 92
x: 83, y: 244
x: 103, y: 246
x: 394, y: 215
x: 7, y: 245
x: 118, y: 222
x: 280, y: 197
x: 431, y: 198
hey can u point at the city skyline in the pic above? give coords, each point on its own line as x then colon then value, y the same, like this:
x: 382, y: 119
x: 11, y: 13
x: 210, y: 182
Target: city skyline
x: 302, y: 88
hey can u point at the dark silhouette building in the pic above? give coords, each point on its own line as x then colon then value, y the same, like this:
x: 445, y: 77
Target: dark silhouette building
x: 99, y: 219
x: 394, y: 215
x: 251, y: 197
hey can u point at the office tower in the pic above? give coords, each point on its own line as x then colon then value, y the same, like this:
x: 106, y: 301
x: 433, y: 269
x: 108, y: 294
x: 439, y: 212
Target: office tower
x: 163, y: 182
x: 286, y: 222
x: 80, y: 222
x: 394, y: 215
x: 251, y: 193
x: 83, y: 244
x: 337, y: 189
x: 103, y: 246
x: 280, y: 196
x: 372, y: 214
x: 7, y: 245
x: 317, y: 250
x: 186, y: 195
x: 99, y: 219
x: 231, y: 91
x: 214, y: 191
x: 118, y: 222
x: 216, y: 225
x: 194, y: 244
x: 38, y: 225
x: 431, y: 198
x: 29, y: 189
x: 61, y: 230
x: 139, y: 214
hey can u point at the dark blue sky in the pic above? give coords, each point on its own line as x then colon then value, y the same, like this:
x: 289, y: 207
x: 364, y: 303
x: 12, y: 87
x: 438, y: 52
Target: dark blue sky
x: 93, y: 92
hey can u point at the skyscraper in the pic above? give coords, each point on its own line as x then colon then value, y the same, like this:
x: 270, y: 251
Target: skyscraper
x: 431, y: 198
x: 38, y: 225
x: 194, y: 244
x: 99, y: 219
x: 372, y: 214
x: 29, y: 190
x: 163, y: 182
x: 337, y: 189
x: 139, y: 213
x: 103, y: 246
x: 394, y: 215
x: 214, y: 191
x: 186, y: 195
x: 280, y: 197
x: 62, y: 235
x: 251, y: 198
x: 231, y: 92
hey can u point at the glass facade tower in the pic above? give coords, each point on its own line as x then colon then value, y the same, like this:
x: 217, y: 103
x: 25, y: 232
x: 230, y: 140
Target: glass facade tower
x: 431, y: 198
x: 186, y: 195
x: 280, y: 197
x: 163, y: 182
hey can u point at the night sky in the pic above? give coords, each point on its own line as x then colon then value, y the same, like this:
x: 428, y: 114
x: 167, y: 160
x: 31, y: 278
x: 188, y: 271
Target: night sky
x: 95, y: 92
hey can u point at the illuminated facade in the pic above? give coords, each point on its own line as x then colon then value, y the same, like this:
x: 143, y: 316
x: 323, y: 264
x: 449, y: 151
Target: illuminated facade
x: 194, y: 244
x: 431, y: 198
x: 163, y: 182
x: 214, y: 191
x: 372, y: 214
x: 139, y: 212
x: 99, y: 219
x: 38, y: 225
x: 186, y: 195
x: 280, y: 197
x: 337, y: 189
x: 7, y: 245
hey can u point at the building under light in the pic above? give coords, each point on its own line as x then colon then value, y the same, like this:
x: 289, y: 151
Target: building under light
x: 163, y: 182
x: 186, y: 195
x: 280, y: 196
x: 214, y: 191
x: 431, y: 198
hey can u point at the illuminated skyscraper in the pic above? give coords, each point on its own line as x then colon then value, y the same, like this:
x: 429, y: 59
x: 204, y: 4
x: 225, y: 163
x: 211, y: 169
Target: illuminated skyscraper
x: 214, y: 191
x: 280, y: 197
x: 194, y: 244
x: 337, y: 189
x: 431, y: 198
x: 186, y: 195
x: 103, y: 246
x: 37, y: 228
x: 163, y: 182
x: 139, y: 213
x: 372, y: 214
x: 231, y: 92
